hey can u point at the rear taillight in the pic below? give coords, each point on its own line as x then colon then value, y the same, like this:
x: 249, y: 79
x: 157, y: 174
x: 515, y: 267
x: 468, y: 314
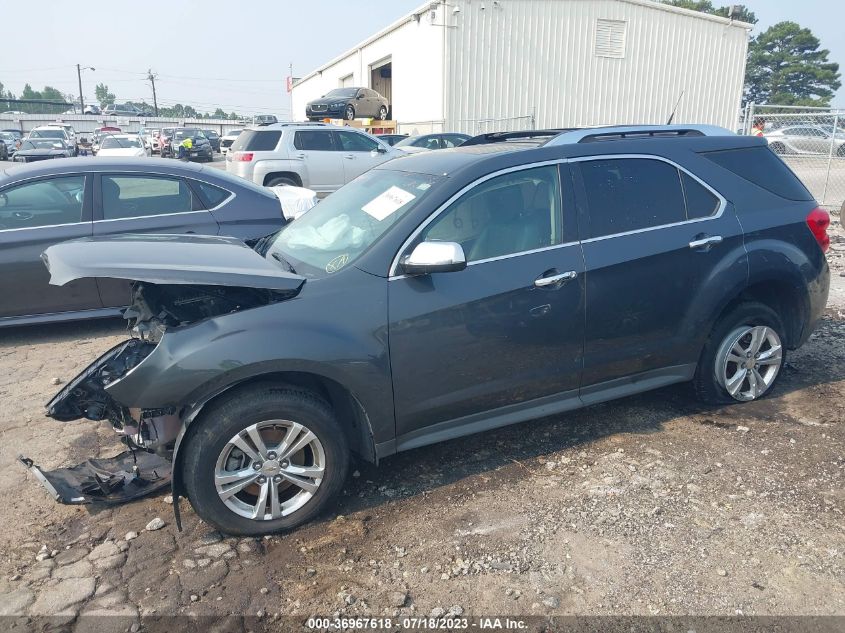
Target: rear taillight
x: 244, y: 157
x: 818, y: 221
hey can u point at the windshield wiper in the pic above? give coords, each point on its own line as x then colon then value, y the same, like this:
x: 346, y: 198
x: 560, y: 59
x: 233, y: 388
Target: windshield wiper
x: 282, y: 260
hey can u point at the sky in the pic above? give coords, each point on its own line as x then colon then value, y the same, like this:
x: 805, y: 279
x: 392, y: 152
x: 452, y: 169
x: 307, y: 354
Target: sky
x: 219, y: 53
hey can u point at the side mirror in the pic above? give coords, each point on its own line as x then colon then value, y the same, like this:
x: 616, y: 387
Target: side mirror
x: 434, y: 257
x: 379, y: 150
x: 360, y: 97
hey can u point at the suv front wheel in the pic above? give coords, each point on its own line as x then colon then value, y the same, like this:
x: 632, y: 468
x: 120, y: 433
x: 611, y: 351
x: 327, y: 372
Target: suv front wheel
x: 743, y: 357
x: 268, y: 458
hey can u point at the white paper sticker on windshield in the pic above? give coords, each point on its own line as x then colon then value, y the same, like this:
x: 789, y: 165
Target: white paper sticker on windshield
x: 383, y: 205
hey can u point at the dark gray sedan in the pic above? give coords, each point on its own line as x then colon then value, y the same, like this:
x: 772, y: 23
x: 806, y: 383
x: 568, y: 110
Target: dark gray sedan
x: 53, y: 201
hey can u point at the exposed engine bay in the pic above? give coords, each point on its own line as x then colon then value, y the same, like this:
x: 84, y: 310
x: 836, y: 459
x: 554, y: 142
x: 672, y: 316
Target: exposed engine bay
x: 149, y: 434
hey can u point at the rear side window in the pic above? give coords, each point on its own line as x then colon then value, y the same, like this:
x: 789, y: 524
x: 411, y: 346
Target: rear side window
x: 257, y: 140
x: 759, y: 165
x: 320, y: 141
x: 701, y: 202
x: 211, y: 196
x: 627, y: 194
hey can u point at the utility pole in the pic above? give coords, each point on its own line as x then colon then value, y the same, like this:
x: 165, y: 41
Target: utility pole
x: 152, y: 79
x: 79, y: 77
x: 290, y: 70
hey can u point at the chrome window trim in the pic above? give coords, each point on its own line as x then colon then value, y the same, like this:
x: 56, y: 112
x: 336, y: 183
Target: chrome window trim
x: 392, y: 272
x: 156, y: 215
x: 723, y: 203
x: 45, y: 226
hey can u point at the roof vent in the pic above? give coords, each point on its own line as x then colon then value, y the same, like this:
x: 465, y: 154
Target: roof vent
x: 610, y: 38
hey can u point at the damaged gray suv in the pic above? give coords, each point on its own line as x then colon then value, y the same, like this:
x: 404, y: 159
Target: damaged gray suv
x: 442, y: 294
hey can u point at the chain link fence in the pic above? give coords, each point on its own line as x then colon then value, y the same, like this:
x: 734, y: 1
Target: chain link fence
x: 810, y: 140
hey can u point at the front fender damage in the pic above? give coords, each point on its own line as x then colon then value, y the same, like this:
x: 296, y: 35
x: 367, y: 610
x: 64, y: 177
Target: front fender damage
x: 150, y: 435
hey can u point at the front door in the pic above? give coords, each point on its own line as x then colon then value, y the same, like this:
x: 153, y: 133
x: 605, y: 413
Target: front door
x: 360, y: 153
x: 652, y: 236
x: 34, y: 215
x: 145, y: 203
x: 467, y: 347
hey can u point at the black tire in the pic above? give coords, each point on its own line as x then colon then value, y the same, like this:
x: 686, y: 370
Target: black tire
x: 778, y: 148
x: 349, y: 114
x: 227, y: 418
x: 382, y: 113
x: 841, y: 151
x: 281, y: 180
x: 706, y: 385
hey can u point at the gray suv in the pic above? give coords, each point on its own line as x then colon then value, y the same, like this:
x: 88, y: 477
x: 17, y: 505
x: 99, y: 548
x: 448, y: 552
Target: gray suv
x: 442, y: 294
x: 314, y: 155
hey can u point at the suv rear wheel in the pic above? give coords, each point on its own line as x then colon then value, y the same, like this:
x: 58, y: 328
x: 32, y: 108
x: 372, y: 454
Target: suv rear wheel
x: 281, y: 180
x: 266, y: 459
x: 743, y: 357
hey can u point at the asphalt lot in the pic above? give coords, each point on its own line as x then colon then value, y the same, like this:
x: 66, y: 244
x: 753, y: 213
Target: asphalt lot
x: 649, y: 505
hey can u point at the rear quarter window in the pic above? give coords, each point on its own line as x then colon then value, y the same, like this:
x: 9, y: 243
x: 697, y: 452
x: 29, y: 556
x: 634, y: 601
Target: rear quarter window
x: 762, y: 167
x: 257, y: 140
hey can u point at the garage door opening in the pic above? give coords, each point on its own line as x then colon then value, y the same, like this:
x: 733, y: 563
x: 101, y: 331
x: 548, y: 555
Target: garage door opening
x: 381, y: 81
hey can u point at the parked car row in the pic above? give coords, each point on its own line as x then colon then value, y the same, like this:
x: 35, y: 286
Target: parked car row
x: 437, y: 295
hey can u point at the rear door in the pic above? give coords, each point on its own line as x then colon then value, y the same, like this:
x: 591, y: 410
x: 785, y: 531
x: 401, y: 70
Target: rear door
x: 360, y: 153
x: 34, y: 215
x: 471, y: 347
x: 652, y: 236
x: 322, y: 165
x: 145, y: 203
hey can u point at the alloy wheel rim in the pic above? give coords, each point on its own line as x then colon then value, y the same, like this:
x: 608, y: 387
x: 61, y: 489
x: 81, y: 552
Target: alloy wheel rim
x: 270, y: 469
x: 748, y: 361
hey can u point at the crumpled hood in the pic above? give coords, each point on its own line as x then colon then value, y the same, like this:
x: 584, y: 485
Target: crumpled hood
x: 167, y: 259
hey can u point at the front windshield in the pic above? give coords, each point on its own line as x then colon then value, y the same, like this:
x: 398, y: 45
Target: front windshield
x: 47, y: 134
x: 188, y: 132
x: 343, y: 92
x: 112, y: 142
x: 43, y: 144
x: 339, y: 229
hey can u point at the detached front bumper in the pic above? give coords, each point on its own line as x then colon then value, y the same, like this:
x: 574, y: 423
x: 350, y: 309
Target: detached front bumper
x: 110, y: 481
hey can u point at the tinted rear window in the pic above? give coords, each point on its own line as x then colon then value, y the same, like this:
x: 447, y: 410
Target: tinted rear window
x: 257, y: 141
x: 762, y: 167
x: 631, y: 193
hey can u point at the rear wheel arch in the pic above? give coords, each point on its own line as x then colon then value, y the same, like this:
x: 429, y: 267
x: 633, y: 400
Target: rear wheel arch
x: 290, y: 175
x: 786, y: 298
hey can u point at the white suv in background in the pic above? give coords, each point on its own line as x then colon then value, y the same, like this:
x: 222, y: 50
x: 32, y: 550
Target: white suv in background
x: 318, y: 156
x: 57, y: 130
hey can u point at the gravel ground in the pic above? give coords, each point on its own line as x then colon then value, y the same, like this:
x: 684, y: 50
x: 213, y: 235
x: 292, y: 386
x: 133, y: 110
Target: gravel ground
x: 648, y: 505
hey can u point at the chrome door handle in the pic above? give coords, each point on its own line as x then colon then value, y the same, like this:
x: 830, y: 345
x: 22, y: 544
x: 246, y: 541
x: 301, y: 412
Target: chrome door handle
x: 706, y: 241
x: 349, y: 157
x: 544, y: 282
x: 299, y: 155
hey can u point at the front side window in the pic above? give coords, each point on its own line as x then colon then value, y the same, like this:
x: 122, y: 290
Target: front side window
x: 508, y: 214
x: 628, y: 194
x: 354, y: 142
x: 135, y: 196
x: 314, y: 140
x: 42, y: 203
x: 341, y: 227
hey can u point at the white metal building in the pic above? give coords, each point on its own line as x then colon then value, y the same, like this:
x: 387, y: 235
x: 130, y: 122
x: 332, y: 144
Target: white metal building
x: 485, y: 65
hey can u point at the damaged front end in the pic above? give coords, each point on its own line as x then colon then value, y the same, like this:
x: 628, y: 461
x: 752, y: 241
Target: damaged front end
x: 164, y: 302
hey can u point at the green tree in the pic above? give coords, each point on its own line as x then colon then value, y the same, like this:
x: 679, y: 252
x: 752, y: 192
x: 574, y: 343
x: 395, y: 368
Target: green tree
x: 104, y: 97
x: 741, y: 13
x: 233, y: 116
x: 787, y: 67
x: 218, y: 113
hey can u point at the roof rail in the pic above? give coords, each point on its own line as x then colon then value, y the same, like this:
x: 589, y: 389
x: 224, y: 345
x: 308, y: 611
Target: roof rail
x: 625, y: 132
x: 499, y: 137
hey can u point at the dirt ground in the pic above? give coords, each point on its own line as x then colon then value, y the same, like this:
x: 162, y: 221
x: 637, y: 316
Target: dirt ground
x: 647, y: 505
